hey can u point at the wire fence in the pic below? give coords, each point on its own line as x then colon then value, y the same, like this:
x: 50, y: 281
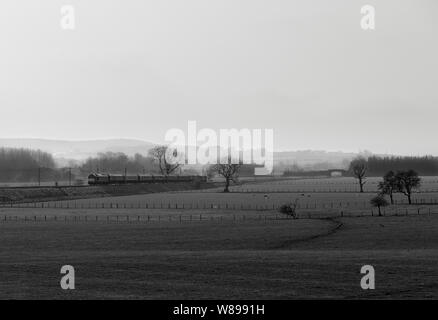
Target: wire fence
x: 292, y: 190
x: 203, y: 205
x: 185, y: 218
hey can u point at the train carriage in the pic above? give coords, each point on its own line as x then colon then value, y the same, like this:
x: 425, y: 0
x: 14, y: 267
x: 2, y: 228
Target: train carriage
x: 100, y: 179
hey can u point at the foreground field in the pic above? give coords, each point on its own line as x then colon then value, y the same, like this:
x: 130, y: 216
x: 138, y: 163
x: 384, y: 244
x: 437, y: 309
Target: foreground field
x: 224, y: 259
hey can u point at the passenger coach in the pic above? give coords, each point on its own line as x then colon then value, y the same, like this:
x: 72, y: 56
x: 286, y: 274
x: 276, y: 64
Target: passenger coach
x: 100, y: 178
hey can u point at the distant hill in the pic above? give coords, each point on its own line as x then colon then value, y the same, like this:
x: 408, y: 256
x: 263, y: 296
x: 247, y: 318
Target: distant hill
x: 80, y: 150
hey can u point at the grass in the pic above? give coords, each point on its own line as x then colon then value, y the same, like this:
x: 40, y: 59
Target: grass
x: 251, y: 259
x: 131, y: 252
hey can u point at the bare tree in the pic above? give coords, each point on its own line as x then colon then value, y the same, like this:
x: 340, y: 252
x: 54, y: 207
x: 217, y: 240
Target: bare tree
x: 407, y: 181
x: 389, y: 185
x: 230, y: 171
x: 161, y: 154
x: 359, y: 169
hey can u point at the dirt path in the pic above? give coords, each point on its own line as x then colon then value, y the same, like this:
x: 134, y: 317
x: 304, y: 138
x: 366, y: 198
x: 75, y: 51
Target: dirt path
x: 335, y: 227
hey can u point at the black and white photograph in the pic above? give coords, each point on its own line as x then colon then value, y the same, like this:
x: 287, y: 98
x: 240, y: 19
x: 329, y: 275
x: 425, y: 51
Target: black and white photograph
x: 218, y: 155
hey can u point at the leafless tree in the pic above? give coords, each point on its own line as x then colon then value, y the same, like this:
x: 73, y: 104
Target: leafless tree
x: 359, y: 169
x: 229, y: 170
x: 161, y: 155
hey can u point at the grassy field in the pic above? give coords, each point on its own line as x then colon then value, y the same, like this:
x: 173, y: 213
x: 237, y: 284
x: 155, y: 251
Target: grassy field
x: 253, y: 259
x: 205, y: 245
x: 336, y: 194
x: 308, y: 203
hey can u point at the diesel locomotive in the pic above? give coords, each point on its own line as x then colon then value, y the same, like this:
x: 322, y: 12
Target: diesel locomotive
x: 100, y: 178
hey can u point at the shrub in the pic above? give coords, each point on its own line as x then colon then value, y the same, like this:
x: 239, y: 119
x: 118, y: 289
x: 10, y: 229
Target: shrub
x: 290, y: 209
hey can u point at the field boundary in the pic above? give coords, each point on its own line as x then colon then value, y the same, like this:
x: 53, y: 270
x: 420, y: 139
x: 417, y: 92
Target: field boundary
x: 169, y: 216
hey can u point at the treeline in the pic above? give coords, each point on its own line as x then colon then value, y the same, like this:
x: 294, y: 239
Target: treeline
x: 425, y: 166
x: 119, y: 163
x: 25, y: 165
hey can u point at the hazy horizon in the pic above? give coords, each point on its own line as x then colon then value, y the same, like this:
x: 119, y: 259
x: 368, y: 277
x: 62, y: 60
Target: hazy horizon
x: 103, y: 140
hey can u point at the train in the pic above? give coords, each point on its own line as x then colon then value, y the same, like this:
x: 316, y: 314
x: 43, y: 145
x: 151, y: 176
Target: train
x: 100, y: 179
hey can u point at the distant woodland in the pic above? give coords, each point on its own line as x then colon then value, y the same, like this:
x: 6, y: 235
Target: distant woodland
x: 24, y: 165
x: 119, y: 163
x: 425, y: 166
x: 378, y: 166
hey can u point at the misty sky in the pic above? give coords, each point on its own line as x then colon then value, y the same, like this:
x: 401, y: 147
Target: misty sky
x: 133, y: 69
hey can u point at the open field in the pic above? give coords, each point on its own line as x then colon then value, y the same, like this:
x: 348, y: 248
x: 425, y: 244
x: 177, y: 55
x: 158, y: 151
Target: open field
x: 195, y: 201
x: 206, y: 244
x: 250, y: 259
x: 325, y: 185
x: 317, y: 194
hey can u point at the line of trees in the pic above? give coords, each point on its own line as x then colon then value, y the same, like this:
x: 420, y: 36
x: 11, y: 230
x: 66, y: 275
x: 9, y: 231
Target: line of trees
x: 394, y: 181
x: 25, y: 165
x: 404, y: 182
x: 11, y: 158
x: 379, y: 166
x: 160, y: 160
x: 117, y: 162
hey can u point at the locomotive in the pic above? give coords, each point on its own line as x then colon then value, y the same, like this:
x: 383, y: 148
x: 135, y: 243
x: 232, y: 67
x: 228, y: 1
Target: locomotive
x: 99, y: 179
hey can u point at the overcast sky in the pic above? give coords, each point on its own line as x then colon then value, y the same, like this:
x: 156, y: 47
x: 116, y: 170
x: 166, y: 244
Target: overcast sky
x: 134, y: 69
